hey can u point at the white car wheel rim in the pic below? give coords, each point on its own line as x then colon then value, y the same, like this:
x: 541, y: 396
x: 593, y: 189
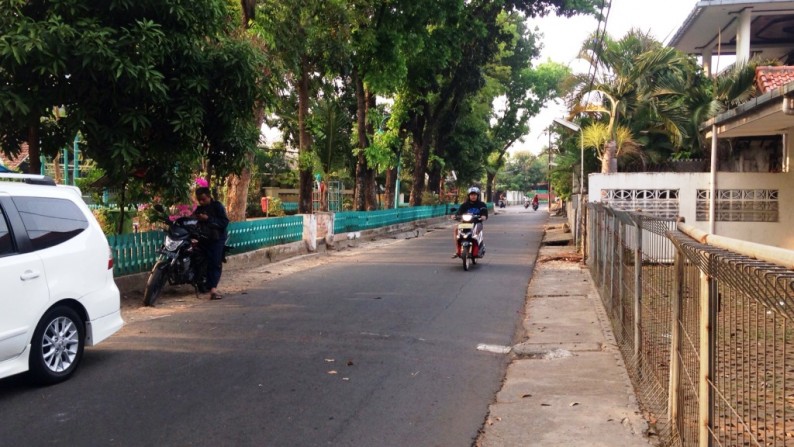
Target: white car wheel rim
x: 59, y: 344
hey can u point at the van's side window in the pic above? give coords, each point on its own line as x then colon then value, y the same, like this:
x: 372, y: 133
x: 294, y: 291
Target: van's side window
x: 48, y: 221
x: 6, y: 244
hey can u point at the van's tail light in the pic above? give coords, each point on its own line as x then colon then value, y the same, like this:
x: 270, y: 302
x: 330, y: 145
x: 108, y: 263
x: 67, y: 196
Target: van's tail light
x: 110, y: 258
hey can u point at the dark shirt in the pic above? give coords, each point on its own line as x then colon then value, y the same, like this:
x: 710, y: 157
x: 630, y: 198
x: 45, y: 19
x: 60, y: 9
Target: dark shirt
x: 217, y: 221
x: 478, y: 208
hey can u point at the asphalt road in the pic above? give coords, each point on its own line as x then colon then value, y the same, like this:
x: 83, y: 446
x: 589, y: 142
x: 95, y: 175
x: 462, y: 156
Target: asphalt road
x: 375, y: 346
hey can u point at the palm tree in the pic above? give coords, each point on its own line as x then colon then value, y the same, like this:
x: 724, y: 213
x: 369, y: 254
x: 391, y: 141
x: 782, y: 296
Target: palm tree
x: 636, y: 86
x: 609, y: 143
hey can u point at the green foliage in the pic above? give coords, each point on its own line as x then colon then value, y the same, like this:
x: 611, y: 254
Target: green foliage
x: 431, y: 198
x: 522, y: 172
x: 271, y: 168
x: 143, y: 81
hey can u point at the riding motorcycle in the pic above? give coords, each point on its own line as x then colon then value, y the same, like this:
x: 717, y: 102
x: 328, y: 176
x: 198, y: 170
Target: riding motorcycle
x: 181, y: 260
x: 470, y: 243
x: 526, y: 204
x: 501, y: 203
x: 534, y: 206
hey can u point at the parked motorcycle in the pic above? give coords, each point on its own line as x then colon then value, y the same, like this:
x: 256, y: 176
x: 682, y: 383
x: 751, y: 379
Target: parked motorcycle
x: 470, y: 244
x: 181, y: 259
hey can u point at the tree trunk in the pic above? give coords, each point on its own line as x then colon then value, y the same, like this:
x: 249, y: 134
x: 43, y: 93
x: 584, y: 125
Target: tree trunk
x: 122, y: 207
x: 421, y: 154
x: 34, y: 162
x: 489, y: 186
x: 57, y: 174
x: 434, y: 180
x: 359, y: 199
x: 237, y: 199
x: 391, y: 183
x: 420, y: 165
x: 370, y: 180
x: 609, y: 163
x: 304, y: 142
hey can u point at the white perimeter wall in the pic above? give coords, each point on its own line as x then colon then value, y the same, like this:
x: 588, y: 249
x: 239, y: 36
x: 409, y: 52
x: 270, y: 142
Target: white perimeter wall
x: 779, y: 234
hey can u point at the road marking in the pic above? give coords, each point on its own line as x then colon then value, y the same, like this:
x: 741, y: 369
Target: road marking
x: 496, y: 349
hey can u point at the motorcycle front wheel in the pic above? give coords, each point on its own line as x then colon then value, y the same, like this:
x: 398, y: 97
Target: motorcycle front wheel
x: 464, y: 254
x: 155, y: 284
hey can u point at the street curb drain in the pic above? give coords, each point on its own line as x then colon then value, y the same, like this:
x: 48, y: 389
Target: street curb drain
x: 495, y: 349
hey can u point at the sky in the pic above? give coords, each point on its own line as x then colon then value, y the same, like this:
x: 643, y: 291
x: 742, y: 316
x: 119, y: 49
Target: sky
x: 562, y: 38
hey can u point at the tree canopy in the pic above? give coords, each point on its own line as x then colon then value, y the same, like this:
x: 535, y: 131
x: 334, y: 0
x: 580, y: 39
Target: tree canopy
x: 362, y: 88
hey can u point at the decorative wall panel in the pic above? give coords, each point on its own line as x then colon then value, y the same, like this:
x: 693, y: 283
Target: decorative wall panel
x: 658, y: 202
x: 740, y: 205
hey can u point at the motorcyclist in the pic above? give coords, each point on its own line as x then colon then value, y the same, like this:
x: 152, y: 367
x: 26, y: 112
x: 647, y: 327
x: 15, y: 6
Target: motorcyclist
x: 535, y: 202
x: 473, y: 205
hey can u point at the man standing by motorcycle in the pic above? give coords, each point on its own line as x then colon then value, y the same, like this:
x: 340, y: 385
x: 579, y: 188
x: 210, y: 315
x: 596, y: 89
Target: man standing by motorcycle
x: 473, y: 205
x: 212, y: 217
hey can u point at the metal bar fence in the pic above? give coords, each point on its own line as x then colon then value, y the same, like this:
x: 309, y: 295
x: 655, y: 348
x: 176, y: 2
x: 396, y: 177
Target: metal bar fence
x: 348, y: 221
x: 137, y: 252
x: 706, y: 333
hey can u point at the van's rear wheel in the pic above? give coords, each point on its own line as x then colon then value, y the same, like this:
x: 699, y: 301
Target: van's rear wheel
x: 57, y: 346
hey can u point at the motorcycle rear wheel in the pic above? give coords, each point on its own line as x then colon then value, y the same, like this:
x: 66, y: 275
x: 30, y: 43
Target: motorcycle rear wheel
x: 464, y: 254
x: 155, y: 284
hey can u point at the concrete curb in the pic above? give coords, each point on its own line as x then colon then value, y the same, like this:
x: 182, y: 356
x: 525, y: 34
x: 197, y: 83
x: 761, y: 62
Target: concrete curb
x: 137, y: 282
x: 566, y: 383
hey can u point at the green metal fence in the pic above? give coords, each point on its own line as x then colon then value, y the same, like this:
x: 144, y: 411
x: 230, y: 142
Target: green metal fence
x: 134, y: 252
x: 137, y: 252
x: 255, y: 234
x: 348, y: 221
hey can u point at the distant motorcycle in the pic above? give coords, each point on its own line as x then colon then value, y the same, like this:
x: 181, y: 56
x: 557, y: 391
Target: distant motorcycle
x: 526, y: 204
x: 535, y: 206
x: 469, y: 242
x: 501, y: 203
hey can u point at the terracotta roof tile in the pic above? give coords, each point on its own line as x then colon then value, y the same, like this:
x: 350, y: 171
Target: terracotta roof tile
x: 14, y: 162
x: 768, y: 78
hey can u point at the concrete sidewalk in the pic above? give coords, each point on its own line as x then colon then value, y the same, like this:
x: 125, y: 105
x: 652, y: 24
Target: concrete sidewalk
x: 568, y: 385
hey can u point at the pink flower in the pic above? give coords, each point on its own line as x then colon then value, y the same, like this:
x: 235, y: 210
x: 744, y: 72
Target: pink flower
x: 201, y: 182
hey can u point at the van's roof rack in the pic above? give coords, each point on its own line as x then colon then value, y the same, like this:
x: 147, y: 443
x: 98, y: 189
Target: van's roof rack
x: 30, y: 179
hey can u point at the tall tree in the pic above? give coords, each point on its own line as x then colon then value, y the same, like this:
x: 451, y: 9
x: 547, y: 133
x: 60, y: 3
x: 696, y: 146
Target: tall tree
x: 134, y: 79
x: 441, y: 78
x: 309, y: 38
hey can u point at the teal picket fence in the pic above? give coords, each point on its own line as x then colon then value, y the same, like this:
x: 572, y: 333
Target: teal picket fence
x: 134, y: 252
x: 347, y: 221
x: 137, y: 252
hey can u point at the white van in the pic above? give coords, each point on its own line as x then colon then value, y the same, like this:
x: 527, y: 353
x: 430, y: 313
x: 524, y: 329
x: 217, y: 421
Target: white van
x: 57, y: 293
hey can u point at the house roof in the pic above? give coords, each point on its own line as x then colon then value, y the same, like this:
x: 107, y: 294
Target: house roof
x: 713, y: 24
x: 768, y: 114
x: 13, y: 163
x: 770, y: 78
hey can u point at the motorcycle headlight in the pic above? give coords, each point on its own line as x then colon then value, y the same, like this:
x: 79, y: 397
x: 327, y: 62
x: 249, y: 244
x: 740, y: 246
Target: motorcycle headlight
x: 171, y: 244
x: 467, y: 217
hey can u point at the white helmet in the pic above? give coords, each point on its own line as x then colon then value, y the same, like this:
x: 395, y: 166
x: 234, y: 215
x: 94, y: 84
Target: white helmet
x: 474, y: 190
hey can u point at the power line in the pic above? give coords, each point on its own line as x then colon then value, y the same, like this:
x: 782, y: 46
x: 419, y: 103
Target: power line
x: 599, y: 41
